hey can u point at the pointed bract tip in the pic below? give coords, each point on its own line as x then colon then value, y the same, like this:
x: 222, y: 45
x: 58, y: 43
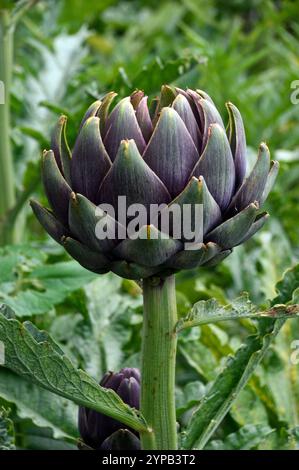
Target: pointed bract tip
x: 255, y: 205
x: 180, y: 97
x: 136, y: 97
x: 231, y: 108
x: 194, y: 179
x: 214, y: 126
x: 200, y: 181
x: 167, y: 110
x: 263, y: 147
x: 62, y: 119
x: 125, y: 145
x: 91, y: 119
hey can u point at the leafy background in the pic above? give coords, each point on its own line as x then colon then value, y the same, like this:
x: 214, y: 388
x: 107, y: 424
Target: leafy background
x: 68, y: 53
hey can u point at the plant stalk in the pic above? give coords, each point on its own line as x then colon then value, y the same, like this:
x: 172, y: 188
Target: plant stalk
x: 159, y: 342
x: 7, y: 180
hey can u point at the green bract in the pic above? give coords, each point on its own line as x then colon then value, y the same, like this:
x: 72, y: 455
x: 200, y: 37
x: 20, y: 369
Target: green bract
x: 174, y: 151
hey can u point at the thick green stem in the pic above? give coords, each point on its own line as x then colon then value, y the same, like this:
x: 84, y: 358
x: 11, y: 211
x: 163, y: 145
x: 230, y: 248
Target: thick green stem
x: 7, y: 183
x: 158, y: 363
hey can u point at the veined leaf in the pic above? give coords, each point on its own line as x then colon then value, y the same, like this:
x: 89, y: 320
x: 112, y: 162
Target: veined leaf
x: 227, y: 385
x: 211, y: 311
x: 34, y: 354
x: 45, y: 409
x: 237, y: 371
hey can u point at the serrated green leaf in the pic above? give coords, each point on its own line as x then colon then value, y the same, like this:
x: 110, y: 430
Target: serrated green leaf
x: 226, y: 387
x: 33, y: 354
x: 211, y: 311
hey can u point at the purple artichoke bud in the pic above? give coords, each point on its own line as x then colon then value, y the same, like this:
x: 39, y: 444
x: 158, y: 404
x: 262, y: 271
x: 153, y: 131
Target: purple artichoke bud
x: 102, y: 432
x: 174, y: 152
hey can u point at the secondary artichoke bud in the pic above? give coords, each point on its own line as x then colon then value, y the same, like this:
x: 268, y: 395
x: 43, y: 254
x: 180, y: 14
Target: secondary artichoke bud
x: 102, y: 432
x: 175, y: 153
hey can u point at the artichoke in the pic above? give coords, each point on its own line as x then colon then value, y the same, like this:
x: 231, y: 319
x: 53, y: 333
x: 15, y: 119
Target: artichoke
x: 103, y: 433
x: 176, y: 151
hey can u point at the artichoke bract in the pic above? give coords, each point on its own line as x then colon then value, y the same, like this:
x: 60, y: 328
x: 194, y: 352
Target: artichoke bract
x: 103, y: 433
x: 176, y: 151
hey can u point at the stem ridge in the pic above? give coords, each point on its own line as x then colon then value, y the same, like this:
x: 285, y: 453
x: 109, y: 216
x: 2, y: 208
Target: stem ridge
x: 159, y: 343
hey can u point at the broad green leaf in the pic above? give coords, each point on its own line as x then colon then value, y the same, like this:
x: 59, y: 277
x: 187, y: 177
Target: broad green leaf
x: 211, y: 311
x: 33, y: 354
x: 237, y: 371
x: 42, y: 407
x: 7, y: 435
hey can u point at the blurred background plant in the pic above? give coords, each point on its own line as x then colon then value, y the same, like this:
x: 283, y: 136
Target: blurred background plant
x: 67, y: 53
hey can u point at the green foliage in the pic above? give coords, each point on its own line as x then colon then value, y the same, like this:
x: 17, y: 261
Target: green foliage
x: 31, y: 287
x: 211, y: 311
x: 7, y: 437
x: 246, y: 438
x: 237, y: 387
x: 32, y: 353
x: 44, y: 409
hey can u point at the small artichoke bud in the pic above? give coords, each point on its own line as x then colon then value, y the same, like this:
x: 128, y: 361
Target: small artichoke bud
x: 102, y: 432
